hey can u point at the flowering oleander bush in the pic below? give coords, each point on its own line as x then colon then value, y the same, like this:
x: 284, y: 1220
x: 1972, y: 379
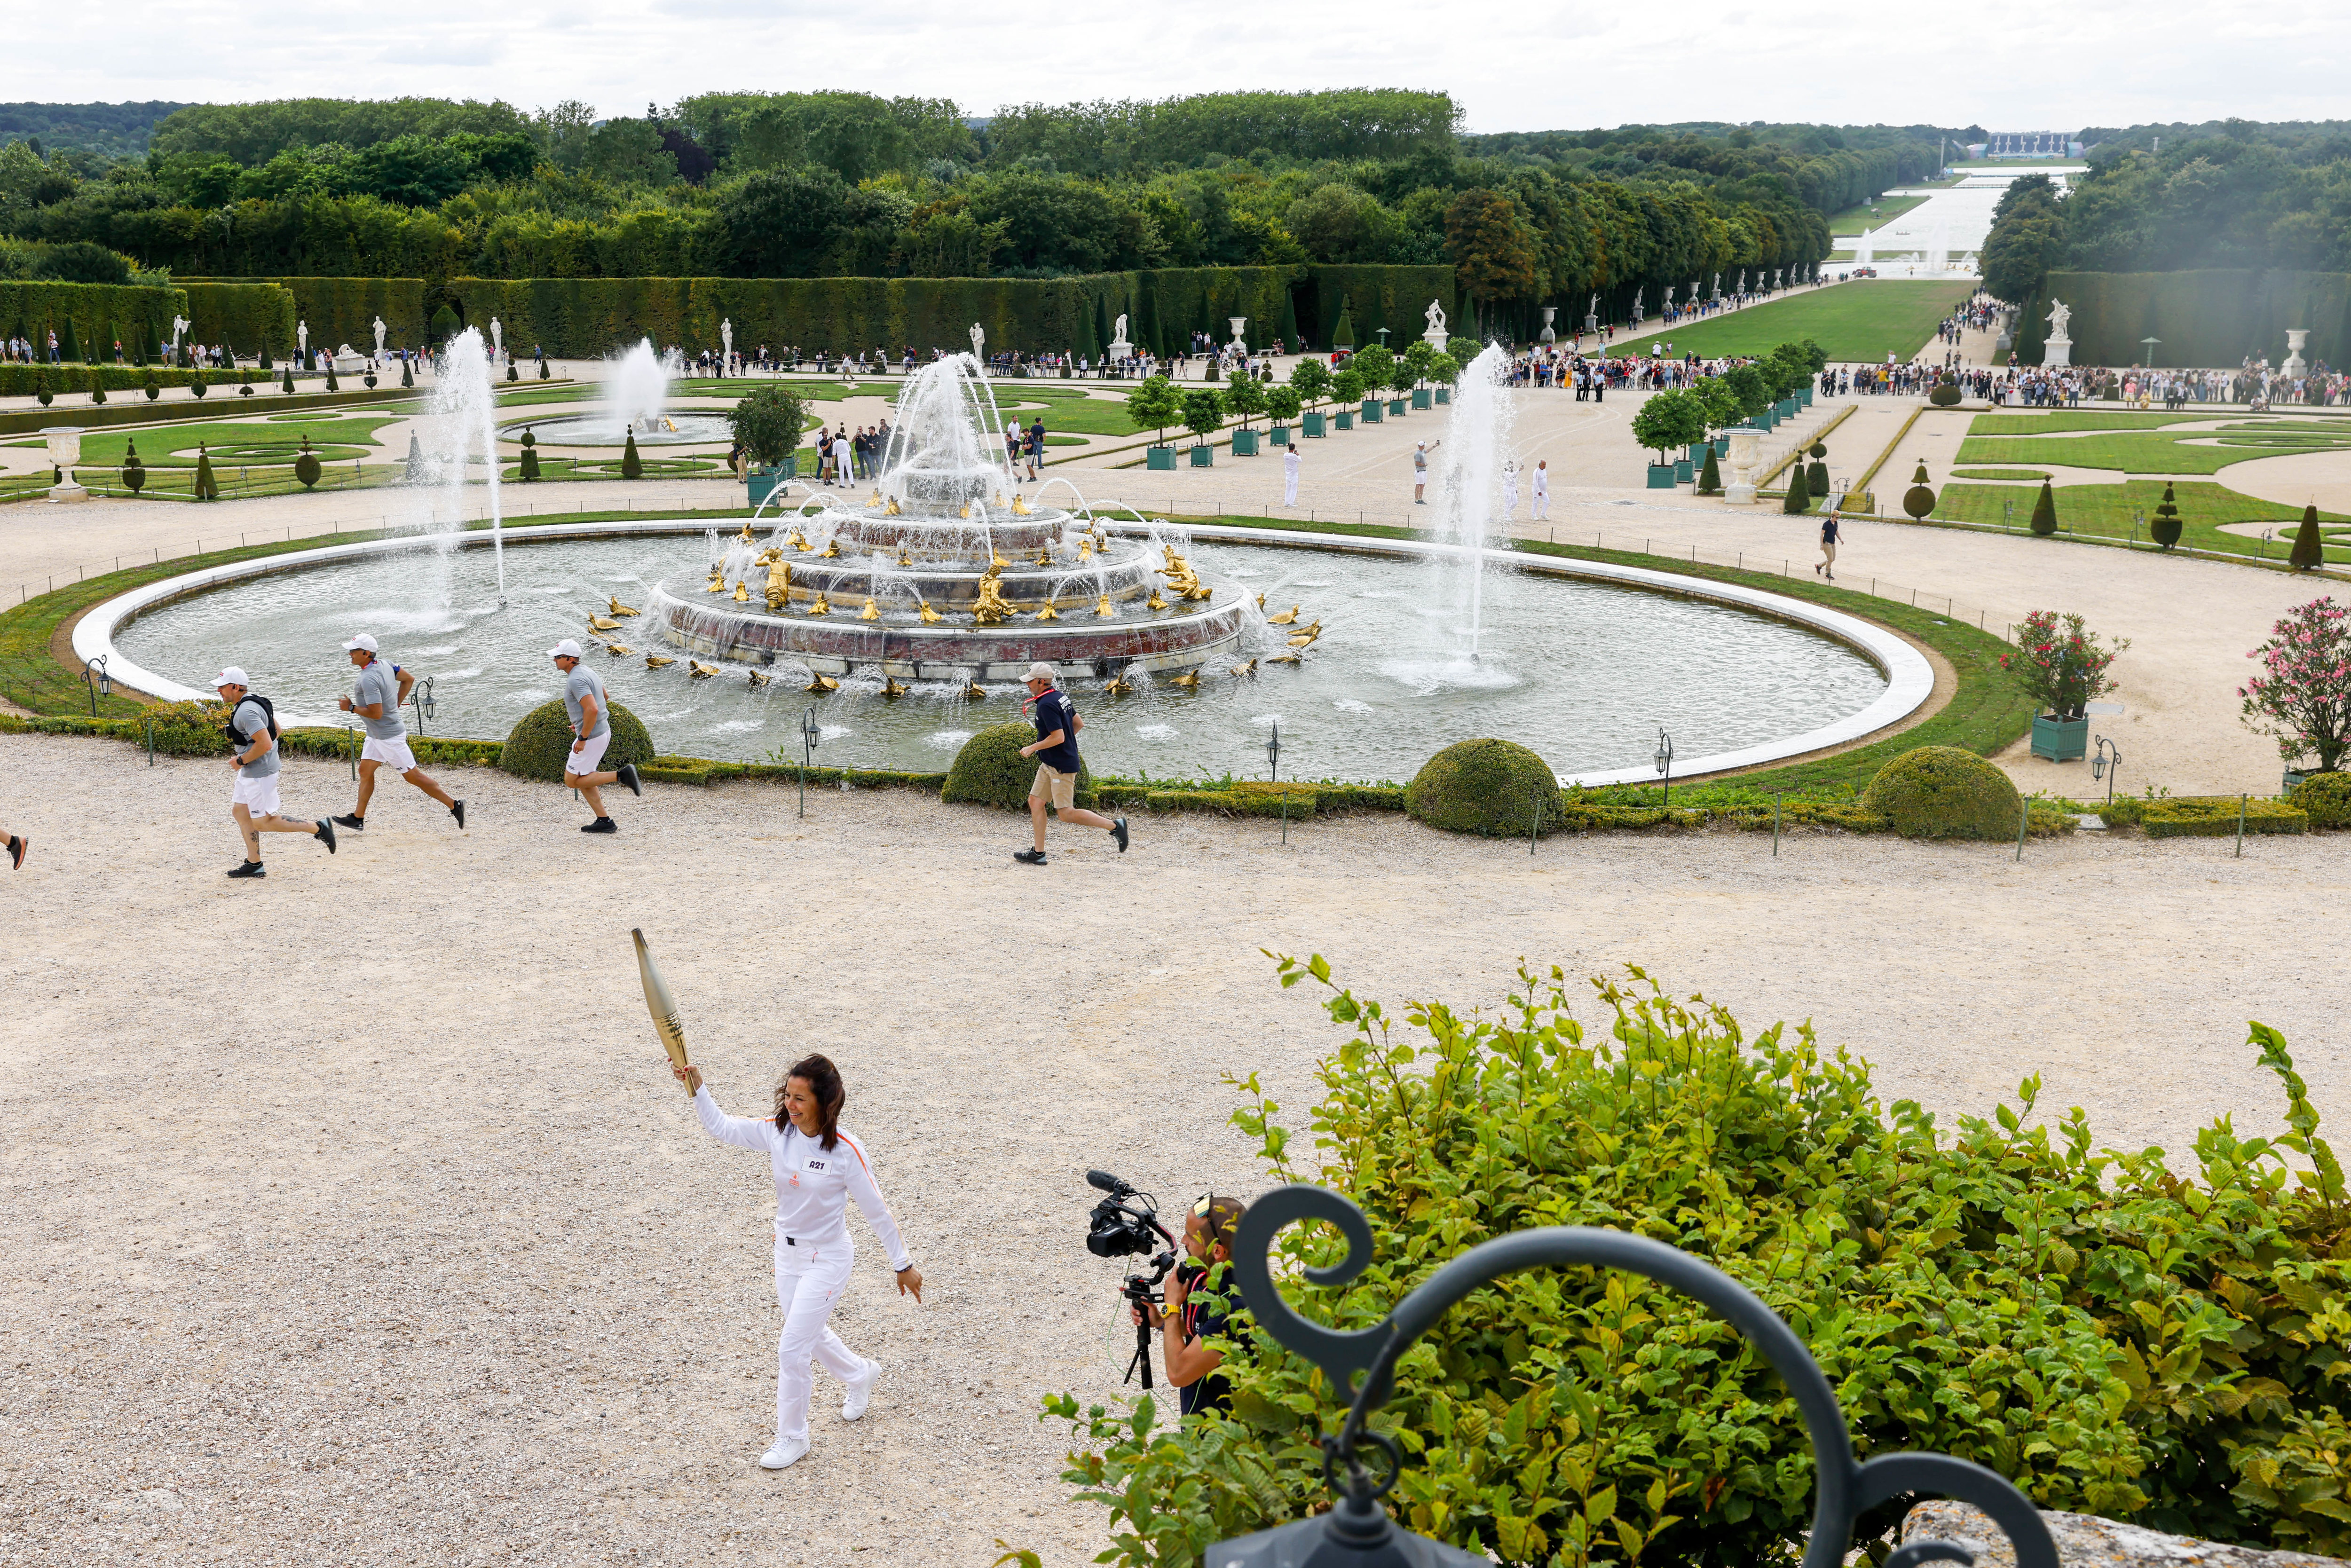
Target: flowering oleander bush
x: 2060, y: 663
x: 2302, y: 695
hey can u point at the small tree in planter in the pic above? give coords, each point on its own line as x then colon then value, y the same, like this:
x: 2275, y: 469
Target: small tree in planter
x: 1747, y: 387
x: 1377, y: 365
x: 1403, y: 378
x: 768, y: 421
x: 1347, y: 387
x: 2060, y: 664
x: 1669, y: 419
x: 1282, y: 404
x: 2164, y: 527
x: 1443, y: 370
x: 2302, y: 695
x: 1311, y: 379
x: 2307, y: 553
x: 1244, y: 395
x: 1204, y: 415
x: 1153, y: 405
x: 2044, y: 512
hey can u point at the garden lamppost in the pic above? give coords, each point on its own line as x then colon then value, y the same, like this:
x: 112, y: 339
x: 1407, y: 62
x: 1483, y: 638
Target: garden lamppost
x: 2106, y: 764
x: 94, y: 676
x: 810, y: 733
x: 1273, y: 774
x: 1358, y: 1532
x: 1665, y: 763
x: 424, y: 702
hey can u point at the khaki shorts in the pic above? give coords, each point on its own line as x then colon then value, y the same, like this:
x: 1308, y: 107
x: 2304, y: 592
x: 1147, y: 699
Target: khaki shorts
x: 1052, y: 785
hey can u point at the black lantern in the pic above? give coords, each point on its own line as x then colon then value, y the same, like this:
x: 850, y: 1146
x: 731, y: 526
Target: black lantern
x: 94, y: 676
x: 811, y: 731
x: 1273, y: 753
x: 424, y: 704
x: 1664, y: 764
x: 2106, y: 764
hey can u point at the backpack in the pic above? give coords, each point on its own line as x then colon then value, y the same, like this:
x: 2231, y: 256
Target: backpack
x: 237, y: 737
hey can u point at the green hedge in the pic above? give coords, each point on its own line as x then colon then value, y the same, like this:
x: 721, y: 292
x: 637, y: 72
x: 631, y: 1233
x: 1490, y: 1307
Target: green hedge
x: 343, y: 309
x: 250, y: 318
x: 71, y: 383
x: 2215, y: 817
x: 2205, y: 318
x: 101, y: 313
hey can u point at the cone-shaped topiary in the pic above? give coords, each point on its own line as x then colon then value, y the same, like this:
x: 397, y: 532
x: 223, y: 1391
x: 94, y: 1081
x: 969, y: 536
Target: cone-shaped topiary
x: 305, y: 465
x: 97, y: 388
x: 134, y: 473
x: 632, y: 466
x: 407, y: 372
x: 414, y: 471
x: 1943, y: 792
x: 529, y: 456
x: 1495, y: 787
x: 1816, y: 473
x: 1709, y: 477
x: 1919, y: 499
x: 544, y: 373
x: 207, y: 487
x: 1800, y: 491
x: 537, y: 746
x: 511, y: 374
x: 330, y: 374
x: 287, y: 386
x: 2306, y: 550
x: 444, y: 324
x: 1342, y: 334
x: 68, y: 346
x: 2164, y: 527
x: 2044, y: 512
x: 990, y: 772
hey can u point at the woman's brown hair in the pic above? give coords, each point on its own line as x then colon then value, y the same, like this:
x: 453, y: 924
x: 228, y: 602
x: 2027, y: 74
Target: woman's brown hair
x: 824, y: 1083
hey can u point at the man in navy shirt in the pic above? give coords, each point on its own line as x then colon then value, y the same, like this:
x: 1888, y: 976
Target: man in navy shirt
x: 1056, y: 751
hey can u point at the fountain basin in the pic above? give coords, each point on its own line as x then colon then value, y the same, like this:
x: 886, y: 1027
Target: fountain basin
x: 612, y: 430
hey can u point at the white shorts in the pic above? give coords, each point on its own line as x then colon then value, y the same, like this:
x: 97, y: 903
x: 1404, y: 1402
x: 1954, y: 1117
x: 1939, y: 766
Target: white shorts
x: 580, y: 763
x: 258, y: 796
x: 393, y: 753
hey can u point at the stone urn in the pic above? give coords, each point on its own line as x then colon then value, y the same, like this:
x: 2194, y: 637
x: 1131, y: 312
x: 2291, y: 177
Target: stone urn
x: 1739, y: 489
x: 65, y: 451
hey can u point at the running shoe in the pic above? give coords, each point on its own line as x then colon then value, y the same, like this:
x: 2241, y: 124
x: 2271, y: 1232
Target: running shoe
x: 1030, y: 857
x: 458, y: 812
x: 788, y: 1452
x: 349, y: 821
x: 600, y: 825
x: 861, y: 1392
x: 248, y: 869
x: 327, y: 833
x: 1118, y: 831
x: 629, y: 777
x: 17, y: 844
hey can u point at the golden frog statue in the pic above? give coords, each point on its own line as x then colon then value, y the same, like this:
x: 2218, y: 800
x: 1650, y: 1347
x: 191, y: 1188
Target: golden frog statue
x: 872, y: 612
x: 743, y: 593
x: 819, y: 605
x: 930, y: 616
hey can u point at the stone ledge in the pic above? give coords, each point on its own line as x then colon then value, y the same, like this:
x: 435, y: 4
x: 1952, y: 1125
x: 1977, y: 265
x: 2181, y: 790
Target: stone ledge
x: 2084, y: 1541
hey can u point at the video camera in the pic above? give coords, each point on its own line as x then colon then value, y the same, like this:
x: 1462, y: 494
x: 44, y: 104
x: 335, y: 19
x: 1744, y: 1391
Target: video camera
x: 1126, y: 1224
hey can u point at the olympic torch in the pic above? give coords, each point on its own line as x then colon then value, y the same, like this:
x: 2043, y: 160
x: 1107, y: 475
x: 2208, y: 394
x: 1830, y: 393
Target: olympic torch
x: 661, y: 1004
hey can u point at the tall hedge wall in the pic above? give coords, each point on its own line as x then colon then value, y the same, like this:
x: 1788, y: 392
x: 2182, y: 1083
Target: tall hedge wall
x: 575, y: 317
x: 2209, y: 318
x: 247, y: 317
x: 343, y: 309
x: 102, y: 313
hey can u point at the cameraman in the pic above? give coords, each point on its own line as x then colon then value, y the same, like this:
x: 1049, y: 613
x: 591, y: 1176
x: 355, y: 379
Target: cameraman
x: 1188, y: 1320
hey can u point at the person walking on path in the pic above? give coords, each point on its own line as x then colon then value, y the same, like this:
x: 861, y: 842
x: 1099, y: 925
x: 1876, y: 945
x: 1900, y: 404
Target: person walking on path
x: 1826, y: 565
x: 591, y: 730
x: 375, y: 700
x: 1291, y: 463
x: 1056, y: 751
x: 1420, y: 452
x: 1510, y: 489
x: 252, y: 735
x: 1542, y: 488
x: 819, y: 1165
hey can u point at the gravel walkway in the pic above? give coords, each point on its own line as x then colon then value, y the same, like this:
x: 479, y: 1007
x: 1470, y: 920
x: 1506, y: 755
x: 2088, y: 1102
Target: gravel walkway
x: 353, y: 1218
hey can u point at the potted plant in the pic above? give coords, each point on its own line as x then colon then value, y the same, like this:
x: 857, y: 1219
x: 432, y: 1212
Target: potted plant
x: 1669, y: 419
x: 1400, y: 382
x: 1311, y: 379
x: 1419, y: 356
x: 1347, y: 386
x: 1204, y: 415
x: 1244, y: 395
x: 1443, y: 370
x: 1153, y: 405
x: 1282, y: 404
x: 1375, y: 365
x: 2302, y: 692
x: 768, y: 423
x: 2062, y: 666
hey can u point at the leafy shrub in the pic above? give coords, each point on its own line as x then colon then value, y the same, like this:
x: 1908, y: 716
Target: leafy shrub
x: 1490, y: 786
x: 2113, y: 1336
x: 2324, y: 799
x: 539, y: 745
x: 188, y: 728
x: 990, y: 772
x: 1943, y: 792
x: 768, y: 421
x: 2217, y: 816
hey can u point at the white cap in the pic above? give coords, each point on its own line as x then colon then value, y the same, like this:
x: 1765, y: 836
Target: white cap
x: 232, y: 676
x: 359, y: 641
x: 567, y: 649
x: 1041, y: 671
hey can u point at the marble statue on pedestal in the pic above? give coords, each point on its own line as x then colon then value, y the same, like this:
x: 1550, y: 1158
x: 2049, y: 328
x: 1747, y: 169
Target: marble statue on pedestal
x: 1592, y: 314
x: 2059, y: 348
x: 727, y: 337
x: 979, y: 343
x: 379, y: 337
x: 1436, y: 335
x: 1636, y: 306
x: 1718, y: 287
x: 1120, y: 349
x: 497, y: 340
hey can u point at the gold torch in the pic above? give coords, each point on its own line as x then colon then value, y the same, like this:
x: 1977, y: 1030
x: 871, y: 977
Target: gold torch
x: 661, y: 1004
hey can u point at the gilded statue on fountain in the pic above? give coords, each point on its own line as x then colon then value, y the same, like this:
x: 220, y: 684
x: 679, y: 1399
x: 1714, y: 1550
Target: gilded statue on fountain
x: 780, y: 583
x: 991, y: 607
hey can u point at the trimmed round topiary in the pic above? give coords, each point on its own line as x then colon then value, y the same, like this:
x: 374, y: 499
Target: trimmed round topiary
x: 990, y: 772
x: 539, y: 743
x: 1919, y: 499
x: 1944, y: 396
x: 1943, y: 792
x: 1489, y: 787
x: 2165, y: 525
x: 2326, y: 798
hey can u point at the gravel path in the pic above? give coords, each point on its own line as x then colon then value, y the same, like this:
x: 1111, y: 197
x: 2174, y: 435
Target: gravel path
x: 353, y: 1218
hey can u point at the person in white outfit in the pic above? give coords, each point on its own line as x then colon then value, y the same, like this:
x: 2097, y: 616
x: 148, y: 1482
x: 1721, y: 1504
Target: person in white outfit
x: 1543, y: 489
x: 1510, y: 489
x: 819, y: 1168
x: 1289, y: 465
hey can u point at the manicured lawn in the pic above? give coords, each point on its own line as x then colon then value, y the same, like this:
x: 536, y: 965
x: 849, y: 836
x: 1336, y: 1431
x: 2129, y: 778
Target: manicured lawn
x: 2108, y: 511
x: 1866, y: 321
x: 1997, y: 474
x: 2058, y: 420
x: 271, y: 442
x: 1857, y: 220
x: 2145, y: 451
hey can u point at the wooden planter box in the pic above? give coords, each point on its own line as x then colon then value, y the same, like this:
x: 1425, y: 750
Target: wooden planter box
x: 1244, y: 443
x: 1420, y: 398
x: 1159, y: 457
x: 1661, y: 477
x: 2060, y: 739
x: 1205, y: 456
x: 1316, y: 426
x: 1371, y: 410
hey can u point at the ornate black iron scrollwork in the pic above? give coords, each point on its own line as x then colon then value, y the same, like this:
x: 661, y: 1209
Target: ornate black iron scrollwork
x: 1364, y: 1363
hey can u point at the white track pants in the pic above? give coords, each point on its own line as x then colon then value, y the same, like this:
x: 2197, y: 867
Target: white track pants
x: 1542, y: 504
x: 1290, y: 489
x: 808, y: 1279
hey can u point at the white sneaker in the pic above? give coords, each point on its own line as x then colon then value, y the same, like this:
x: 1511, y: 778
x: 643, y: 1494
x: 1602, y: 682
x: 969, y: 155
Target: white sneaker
x: 860, y: 1393
x: 788, y: 1452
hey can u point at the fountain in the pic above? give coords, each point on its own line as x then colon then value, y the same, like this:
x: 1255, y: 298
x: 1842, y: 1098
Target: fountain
x: 948, y: 569
x: 1469, y: 471
x: 462, y: 417
x: 636, y: 402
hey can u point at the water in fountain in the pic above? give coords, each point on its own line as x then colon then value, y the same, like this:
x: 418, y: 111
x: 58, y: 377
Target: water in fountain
x: 1476, y: 443
x: 462, y: 418
x: 636, y: 385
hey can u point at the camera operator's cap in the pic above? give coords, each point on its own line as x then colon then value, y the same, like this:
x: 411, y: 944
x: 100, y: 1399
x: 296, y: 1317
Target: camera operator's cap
x: 232, y: 676
x: 360, y: 641
x: 567, y: 649
x: 1042, y: 671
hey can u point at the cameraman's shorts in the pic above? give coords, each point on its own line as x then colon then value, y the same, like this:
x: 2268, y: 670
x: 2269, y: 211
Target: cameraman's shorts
x: 1055, y: 785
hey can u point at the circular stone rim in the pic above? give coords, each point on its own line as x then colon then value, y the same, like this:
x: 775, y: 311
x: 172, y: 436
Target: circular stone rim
x: 1910, y: 679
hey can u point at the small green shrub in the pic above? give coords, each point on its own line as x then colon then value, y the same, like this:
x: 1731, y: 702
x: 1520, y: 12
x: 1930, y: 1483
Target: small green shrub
x: 990, y: 772
x: 188, y: 728
x: 1944, y: 396
x: 1709, y: 476
x: 2165, y: 525
x: 1943, y: 792
x: 2324, y: 799
x: 2044, y: 511
x: 2216, y: 817
x: 1919, y: 499
x: 1799, y: 498
x: 539, y: 743
x: 632, y: 466
x: 1490, y: 786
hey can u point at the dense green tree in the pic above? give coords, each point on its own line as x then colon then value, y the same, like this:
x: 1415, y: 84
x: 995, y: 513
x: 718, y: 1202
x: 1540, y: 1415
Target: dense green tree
x: 252, y: 133
x: 1490, y: 245
x: 776, y: 223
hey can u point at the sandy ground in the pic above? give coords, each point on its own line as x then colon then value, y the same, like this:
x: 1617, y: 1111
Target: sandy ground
x: 352, y: 1216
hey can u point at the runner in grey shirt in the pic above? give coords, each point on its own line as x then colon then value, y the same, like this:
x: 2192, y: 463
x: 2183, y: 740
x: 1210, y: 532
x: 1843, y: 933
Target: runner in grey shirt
x: 254, y: 758
x: 375, y: 698
x: 591, y: 731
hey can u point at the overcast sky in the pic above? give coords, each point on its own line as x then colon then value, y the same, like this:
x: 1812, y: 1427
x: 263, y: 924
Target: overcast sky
x: 2017, y: 65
